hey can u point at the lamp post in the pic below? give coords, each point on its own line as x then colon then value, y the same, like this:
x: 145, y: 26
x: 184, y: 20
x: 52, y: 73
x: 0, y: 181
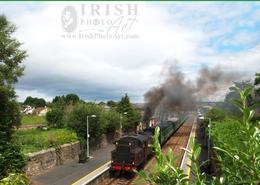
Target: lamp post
x: 121, y: 126
x: 209, y: 127
x: 92, y: 116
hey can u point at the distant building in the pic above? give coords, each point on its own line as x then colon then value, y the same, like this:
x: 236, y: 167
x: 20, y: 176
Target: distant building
x: 27, y: 109
x: 153, y: 122
x: 41, y: 111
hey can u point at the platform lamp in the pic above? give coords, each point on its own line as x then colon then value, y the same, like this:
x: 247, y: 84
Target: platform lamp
x: 209, y: 127
x: 121, y: 126
x: 92, y: 116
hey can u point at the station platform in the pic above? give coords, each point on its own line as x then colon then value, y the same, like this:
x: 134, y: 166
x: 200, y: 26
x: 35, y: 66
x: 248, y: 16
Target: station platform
x: 72, y: 171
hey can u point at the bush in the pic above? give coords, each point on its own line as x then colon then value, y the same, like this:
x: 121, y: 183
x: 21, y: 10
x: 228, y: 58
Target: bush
x: 216, y: 114
x: 55, y: 117
x: 238, y: 148
x: 15, y: 179
x: 11, y: 159
x: 229, y: 132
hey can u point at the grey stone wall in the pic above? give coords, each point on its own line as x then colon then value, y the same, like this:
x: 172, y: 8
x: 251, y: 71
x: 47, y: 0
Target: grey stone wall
x: 46, y: 159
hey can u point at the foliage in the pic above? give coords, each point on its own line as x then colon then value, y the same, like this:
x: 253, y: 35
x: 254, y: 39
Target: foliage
x: 55, y: 117
x: 132, y: 116
x: 77, y: 120
x: 35, y: 140
x: 15, y: 179
x: 237, y: 147
x: 228, y: 131
x: 166, y: 172
x: 111, y: 104
x: 111, y: 119
x: 59, y: 99
x: 71, y: 98
x: 9, y: 113
x: 11, y: 159
x: 11, y: 57
x: 215, y: 114
x: 35, y: 102
x: 239, y: 160
x: 33, y: 119
x: 68, y: 99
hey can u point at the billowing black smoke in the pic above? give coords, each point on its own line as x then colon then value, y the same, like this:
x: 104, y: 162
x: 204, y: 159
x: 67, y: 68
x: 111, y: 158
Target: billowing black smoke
x: 177, y: 93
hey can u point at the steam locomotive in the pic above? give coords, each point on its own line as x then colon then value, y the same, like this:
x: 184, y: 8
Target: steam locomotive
x: 132, y: 151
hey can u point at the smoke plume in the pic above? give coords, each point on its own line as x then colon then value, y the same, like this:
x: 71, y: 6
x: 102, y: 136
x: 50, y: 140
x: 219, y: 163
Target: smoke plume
x: 177, y: 93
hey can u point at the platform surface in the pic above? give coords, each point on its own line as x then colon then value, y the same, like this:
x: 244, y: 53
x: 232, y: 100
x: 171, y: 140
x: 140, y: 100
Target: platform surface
x: 72, y: 171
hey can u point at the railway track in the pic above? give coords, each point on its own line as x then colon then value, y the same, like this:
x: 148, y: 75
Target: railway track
x: 120, y: 179
x: 176, y: 142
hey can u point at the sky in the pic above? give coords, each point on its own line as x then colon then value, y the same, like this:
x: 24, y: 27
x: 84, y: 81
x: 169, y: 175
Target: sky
x: 192, y: 34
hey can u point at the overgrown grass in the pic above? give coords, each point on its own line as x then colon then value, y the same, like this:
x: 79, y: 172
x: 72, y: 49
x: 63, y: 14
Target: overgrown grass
x: 33, y: 119
x: 35, y: 140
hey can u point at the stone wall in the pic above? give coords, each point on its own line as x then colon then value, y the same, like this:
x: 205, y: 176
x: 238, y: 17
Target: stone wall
x: 101, y: 143
x: 46, y: 159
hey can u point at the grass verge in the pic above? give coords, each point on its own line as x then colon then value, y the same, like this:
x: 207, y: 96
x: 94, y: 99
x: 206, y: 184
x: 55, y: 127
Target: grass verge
x: 34, y: 140
x: 33, y: 119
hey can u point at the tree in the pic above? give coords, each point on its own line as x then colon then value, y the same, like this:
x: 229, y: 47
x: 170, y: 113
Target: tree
x: 11, y: 57
x: 132, y: 115
x: 68, y: 99
x: 35, y: 102
x: 55, y: 117
x: 59, y: 99
x: 111, y: 119
x: 77, y: 120
x: 71, y: 98
x: 111, y: 104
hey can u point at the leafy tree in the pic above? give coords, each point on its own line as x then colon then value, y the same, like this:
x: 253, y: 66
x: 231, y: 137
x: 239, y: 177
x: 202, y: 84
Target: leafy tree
x: 71, y: 98
x: 11, y: 57
x: 55, y: 117
x: 68, y: 99
x: 35, y: 102
x: 132, y: 116
x: 77, y: 120
x: 111, y: 103
x: 59, y: 99
x: 111, y: 119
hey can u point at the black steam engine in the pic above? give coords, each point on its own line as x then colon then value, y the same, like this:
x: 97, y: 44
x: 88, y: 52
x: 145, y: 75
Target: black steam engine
x: 132, y: 151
